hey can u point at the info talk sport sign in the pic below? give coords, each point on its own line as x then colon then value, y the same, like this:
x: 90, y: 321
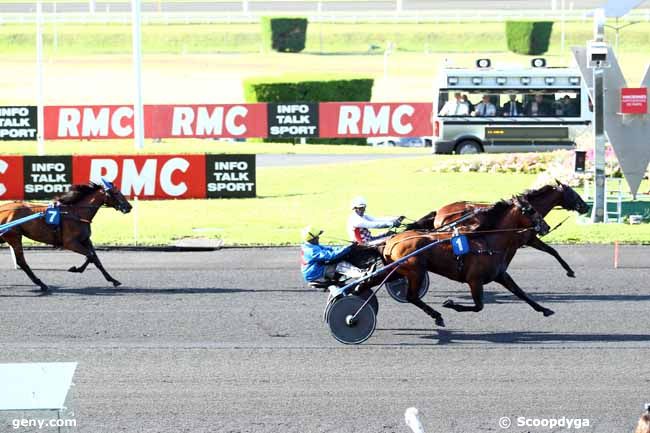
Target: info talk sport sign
x: 281, y: 120
x: 144, y: 176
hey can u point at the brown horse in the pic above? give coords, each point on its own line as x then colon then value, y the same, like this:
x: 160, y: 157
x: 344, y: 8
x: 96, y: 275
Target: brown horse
x: 543, y: 200
x: 78, y: 208
x: 502, y: 231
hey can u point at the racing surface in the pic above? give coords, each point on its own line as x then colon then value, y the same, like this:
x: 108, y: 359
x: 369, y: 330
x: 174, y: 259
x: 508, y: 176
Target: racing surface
x: 232, y: 341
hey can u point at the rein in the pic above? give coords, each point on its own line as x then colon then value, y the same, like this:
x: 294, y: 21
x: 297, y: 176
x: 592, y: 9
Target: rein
x: 558, y: 225
x: 462, y: 232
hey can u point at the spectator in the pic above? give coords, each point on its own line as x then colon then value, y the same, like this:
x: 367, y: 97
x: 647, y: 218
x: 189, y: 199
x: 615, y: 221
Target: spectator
x: 538, y: 107
x: 643, y: 426
x: 513, y: 108
x: 485, y: 108
x: 470, y: 106
x: 455, y: 107
x: 569, y: 108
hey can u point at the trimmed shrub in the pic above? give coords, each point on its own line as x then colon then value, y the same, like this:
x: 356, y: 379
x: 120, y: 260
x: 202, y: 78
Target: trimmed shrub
x: 285, y: 35
x: 309, y: 89
x: 528, y: 37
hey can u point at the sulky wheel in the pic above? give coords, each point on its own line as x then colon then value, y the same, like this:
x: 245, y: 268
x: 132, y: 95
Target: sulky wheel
x: 346, y: 329
x: 397, y: 288
x: 374, y: 302
x: 328, y: 305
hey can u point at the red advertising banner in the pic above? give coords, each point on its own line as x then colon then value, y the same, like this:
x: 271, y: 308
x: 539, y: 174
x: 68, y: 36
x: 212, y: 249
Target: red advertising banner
x: 109, y: 121
x: 11, y: 178
x: 205, y: 121
x: 145, y: 176
x: 634, y: 100
x: 334, y: 120
x: 160, y: 121
x: 359, y: 119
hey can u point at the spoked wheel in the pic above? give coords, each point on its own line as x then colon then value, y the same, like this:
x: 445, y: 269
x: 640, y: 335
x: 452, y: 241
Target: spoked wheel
x: 398, y: 288
x: 346, y: 329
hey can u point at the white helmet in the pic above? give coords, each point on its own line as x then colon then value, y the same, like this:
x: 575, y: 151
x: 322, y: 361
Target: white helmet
x: 358, y: 202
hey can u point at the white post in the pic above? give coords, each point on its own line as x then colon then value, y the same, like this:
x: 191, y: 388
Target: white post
x: 39, y: 79
x: 387, y: 52
x: 398, y: 6
x: 244, y: 6
x: 91, y: 6
x: 135, y: 220
x: 562, y: 37
x: 55, y: 41
x: 138, y: 112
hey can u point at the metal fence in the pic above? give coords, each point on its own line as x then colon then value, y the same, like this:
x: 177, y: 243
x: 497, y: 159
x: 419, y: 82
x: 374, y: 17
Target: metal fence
x: 200, y: 11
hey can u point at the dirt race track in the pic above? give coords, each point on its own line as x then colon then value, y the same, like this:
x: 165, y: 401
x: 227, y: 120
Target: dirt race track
x: 232, y: 341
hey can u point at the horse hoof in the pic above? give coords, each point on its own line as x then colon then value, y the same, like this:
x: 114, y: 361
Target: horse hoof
x: 571, y: 274
x: 440, y: 322
x: 45, y: 288
x: 548, y: 312
x: 116, y: 283
x: 448, y: 304
x: 73, y: 269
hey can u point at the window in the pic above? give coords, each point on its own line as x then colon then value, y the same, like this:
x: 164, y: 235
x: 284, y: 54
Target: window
x: 509, y: 103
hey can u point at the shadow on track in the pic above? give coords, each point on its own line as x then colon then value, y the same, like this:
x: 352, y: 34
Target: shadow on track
x: 494, y: 297
x: 109, y: 291
x: 442, y: 337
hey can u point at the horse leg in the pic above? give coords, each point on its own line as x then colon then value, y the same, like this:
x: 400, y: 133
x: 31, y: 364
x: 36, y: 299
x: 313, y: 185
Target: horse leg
x: 538, y: 244
x: 476, y: 287
x: 412, y: 295
x: 86, y: 248
x: 81, y: 268
x: 15, y: 241
x: 506, y: 281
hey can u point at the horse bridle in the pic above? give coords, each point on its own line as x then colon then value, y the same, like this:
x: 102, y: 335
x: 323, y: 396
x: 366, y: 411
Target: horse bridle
x: 527, y: 209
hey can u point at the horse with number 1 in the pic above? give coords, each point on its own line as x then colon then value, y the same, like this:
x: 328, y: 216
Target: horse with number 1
x: 65, y: 223
x: 474, y: 256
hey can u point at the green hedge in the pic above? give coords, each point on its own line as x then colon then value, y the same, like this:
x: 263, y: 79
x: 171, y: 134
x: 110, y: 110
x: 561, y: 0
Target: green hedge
x: 528, y: 37
x: 309, y: 89
x: 284, y: 34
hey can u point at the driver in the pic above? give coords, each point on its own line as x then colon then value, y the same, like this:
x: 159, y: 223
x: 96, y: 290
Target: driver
x: 360, y: 222
x: 322, y: 263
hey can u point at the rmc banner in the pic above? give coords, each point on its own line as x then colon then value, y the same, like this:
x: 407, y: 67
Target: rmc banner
x: 273, y: 120
x: 142, y: 176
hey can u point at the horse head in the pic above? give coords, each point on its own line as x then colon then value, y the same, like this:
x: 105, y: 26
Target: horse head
x: 571, y: 200
x: 114, y: 198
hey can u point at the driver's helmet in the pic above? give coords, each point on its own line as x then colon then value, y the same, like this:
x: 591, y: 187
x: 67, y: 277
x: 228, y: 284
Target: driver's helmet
x: 358, y: 202
x: 310, y: 233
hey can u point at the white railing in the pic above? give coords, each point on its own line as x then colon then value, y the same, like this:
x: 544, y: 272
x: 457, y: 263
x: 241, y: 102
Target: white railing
x: 445, y: 16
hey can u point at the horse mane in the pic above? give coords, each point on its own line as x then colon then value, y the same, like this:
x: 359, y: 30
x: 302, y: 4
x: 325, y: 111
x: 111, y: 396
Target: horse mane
x: 490, y: 216
x: 532, y: 193
x: 76, y: 193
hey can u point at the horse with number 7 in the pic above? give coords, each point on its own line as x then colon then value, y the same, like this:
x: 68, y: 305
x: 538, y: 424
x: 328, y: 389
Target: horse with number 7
x: 65, y: 224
